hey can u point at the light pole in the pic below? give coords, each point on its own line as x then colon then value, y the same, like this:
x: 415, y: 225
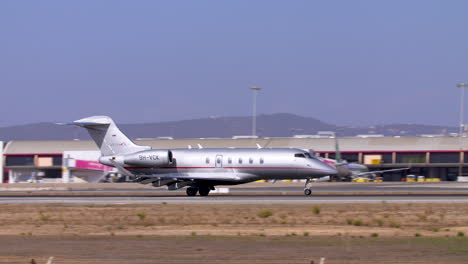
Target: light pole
x: 461, y: 128
x: 254, y: 109
x: 462, y: 101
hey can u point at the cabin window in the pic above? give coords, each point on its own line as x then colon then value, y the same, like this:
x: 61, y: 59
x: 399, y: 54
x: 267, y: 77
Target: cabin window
x: 207, y: 160
x: 250, y: 160
x: 229, y: 160
x: 240, y: 160
x: 218, y: 160
x: 261, y: 161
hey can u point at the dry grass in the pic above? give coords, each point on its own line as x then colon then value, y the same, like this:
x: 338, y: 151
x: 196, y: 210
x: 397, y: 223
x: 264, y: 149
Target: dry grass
x: 357, y: 233
x: 234, y: 220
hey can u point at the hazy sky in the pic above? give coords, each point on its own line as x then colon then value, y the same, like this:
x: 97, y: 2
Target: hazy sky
x: 344, y: 62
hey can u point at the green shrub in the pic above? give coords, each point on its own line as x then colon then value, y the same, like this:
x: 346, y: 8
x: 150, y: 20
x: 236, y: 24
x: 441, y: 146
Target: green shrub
x: 374, y: 235
x: 142, y: 216
x: 417, y: 235
x: 265, y: 213
x: 379, y: 222
x: 44, y: 217
x: 422, y: 217
x: 316, y: 210
x: 306, y: 233
x: 460, y: 234
x: 357, y: 222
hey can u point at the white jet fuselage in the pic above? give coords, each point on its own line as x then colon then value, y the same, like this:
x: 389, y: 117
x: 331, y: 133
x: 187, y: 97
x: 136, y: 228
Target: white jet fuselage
x: 200, y: 169
x: 232, y: 166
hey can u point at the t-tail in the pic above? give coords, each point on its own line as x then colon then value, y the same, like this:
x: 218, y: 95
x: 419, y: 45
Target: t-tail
x: 108, y: 137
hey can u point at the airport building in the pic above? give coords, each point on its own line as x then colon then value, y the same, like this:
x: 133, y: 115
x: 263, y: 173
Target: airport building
x: 440, y: 157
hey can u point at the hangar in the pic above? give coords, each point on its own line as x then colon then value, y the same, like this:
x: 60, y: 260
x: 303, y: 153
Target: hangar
x: 441, y: 157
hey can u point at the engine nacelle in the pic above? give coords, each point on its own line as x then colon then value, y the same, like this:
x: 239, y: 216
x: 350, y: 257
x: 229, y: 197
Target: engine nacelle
x: 149, y: 158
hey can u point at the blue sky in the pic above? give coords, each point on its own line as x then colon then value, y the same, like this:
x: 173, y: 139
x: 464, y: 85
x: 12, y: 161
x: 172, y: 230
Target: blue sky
x: 343, y: 62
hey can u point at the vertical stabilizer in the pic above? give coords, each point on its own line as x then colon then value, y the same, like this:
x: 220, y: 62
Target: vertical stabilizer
x: 108, y: 137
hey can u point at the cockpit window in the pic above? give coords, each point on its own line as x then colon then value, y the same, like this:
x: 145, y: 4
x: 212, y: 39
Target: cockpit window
x: 304, y: 155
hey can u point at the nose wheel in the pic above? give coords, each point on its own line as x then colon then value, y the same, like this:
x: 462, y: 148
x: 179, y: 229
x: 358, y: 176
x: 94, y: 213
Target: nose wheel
x: 308, y: 187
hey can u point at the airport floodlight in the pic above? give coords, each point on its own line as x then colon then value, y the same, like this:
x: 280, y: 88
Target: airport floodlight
x: 462, y: 121
x: 255, y: 90
x: 462, y: 105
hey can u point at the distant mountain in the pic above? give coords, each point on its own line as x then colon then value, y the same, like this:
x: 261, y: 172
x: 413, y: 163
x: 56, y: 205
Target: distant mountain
x: 273, y: 125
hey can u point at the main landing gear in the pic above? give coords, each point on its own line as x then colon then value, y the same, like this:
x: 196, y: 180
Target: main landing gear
x: 192, y: 191
x: 202, y: 190
x: 308, y: 187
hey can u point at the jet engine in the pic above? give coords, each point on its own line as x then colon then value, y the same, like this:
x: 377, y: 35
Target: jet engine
x: 149, y: 158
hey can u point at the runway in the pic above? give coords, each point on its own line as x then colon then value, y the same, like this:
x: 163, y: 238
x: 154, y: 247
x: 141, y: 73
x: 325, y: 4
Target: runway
x: 255, y: 193
x: 247, y: 199
x: 292, y: 188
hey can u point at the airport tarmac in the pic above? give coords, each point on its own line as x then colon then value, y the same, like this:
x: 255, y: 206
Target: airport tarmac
x: 237, y: 199
x: 254, y: 193
x: 284, y: 188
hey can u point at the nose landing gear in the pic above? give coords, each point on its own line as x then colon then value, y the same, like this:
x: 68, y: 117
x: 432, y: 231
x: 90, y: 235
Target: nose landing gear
x: 308, y: 187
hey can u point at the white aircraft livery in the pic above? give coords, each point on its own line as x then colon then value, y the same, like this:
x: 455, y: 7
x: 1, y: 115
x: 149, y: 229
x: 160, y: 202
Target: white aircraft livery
x: 199, y: 169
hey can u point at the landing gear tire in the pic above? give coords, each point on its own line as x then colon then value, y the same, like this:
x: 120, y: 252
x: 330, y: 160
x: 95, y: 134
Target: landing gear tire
x: 192, y: 191
x: 307, y: 187
x: 204, y: 191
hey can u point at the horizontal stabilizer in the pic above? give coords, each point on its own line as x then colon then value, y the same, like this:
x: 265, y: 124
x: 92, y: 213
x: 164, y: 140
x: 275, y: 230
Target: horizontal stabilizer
x: 82, y: 124
x: 90, y: 121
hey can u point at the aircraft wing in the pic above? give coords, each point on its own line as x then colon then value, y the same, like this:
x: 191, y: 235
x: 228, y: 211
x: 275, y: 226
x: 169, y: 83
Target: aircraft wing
x: 226, y: 176
x: 378, y: 172
x: 188, y: 176
x: 121, y: 169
